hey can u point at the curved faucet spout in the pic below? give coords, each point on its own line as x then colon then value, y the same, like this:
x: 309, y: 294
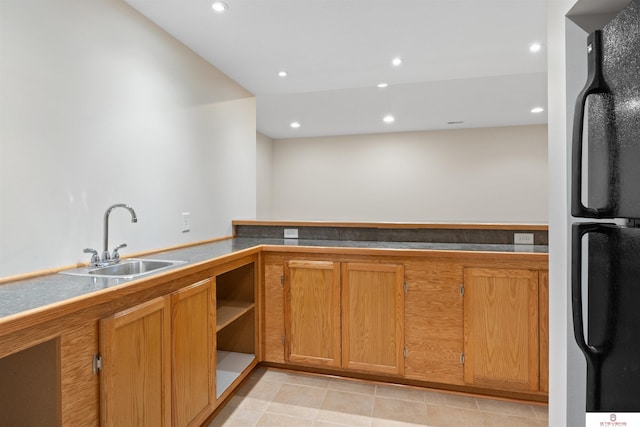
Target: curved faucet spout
x: 134, y: 218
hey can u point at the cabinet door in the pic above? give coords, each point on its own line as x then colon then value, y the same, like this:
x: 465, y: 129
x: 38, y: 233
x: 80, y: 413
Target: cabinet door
x: 135, y: 381
x: 312, y: 312
x: 373, y: 317
x: 501, y: 328
x: 193, y: 345
x: 433, y: 318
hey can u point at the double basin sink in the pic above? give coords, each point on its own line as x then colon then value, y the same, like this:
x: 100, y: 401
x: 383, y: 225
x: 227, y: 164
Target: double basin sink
x: 125, y: 269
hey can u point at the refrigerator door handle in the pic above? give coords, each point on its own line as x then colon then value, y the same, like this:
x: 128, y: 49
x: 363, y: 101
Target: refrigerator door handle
x: 595, y: 85
x: 593, y: 354
x: 579, y: 230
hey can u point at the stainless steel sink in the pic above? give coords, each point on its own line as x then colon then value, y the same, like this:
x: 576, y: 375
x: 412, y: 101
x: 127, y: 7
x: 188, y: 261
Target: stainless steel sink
x: 125, y: 269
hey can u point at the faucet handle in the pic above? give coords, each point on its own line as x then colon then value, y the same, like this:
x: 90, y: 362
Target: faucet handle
x: 95, y: 258
x: 116, y: 255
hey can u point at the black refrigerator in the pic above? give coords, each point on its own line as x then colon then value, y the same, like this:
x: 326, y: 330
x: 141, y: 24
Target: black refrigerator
x: 605, y: 204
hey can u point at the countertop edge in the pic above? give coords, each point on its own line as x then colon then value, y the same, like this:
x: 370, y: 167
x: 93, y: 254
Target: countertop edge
x: 441, y: 253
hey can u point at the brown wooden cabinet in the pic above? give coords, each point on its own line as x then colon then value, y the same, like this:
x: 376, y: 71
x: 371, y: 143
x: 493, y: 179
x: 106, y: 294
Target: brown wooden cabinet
x: 373, y: 317
x: 156, y: 351
x: 171, y: 360
x: 501, y: 328
x: 543, y: 317
x: 135, y: 378
x: 152, y: 320
x: 272, y: 323
x: 434, y: 320
x: 344, y: 315
x: 475, y: 323
x: 312, y: 312
x: 193, y: 353
x: 29, y: 390
x: 236, y: 318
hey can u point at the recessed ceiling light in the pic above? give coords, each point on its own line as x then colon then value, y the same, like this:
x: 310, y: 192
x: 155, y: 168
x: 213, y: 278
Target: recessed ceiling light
x: 282, y: 74
x: 388, y: 118
x: 396, y: 62
x: 537, y: 110
x: 295, y: 125
x: 382, y: 85
x: 219, y: 6
x: 535, y: 47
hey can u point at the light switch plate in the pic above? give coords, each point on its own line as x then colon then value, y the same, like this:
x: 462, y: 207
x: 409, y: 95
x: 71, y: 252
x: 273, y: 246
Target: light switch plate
x: 290, y: 233
x: 523, y: 238
x: 186, y: 222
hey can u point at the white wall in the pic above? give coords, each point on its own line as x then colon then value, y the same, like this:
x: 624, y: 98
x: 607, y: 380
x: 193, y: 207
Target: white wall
x: 264, y: 174
x: 559, y: 392
x: 99, y: 106
x: 576, y: 72
x: 467, y: 175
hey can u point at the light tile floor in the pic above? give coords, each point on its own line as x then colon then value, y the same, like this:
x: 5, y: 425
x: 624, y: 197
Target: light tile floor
x: 277, y: 398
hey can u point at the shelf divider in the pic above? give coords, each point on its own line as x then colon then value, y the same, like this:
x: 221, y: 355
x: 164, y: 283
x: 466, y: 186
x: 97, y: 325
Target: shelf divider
x: 227, y: 311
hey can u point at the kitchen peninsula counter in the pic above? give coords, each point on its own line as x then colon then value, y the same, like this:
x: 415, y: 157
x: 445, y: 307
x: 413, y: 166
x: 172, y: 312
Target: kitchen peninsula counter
x: 59, y: 320
x: 22, y: 297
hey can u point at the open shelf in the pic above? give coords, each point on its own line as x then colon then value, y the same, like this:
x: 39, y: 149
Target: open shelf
x: 230, y: 366
x: 235, y: 325
x: 29, y: 389
x: 229, y: 310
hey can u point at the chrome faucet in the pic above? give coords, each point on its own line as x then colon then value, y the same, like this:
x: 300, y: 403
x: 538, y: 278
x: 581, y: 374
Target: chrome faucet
x: 108, y: 258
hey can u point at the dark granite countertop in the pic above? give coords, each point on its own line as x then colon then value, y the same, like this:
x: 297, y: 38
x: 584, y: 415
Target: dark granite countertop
x: 23, y: 295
